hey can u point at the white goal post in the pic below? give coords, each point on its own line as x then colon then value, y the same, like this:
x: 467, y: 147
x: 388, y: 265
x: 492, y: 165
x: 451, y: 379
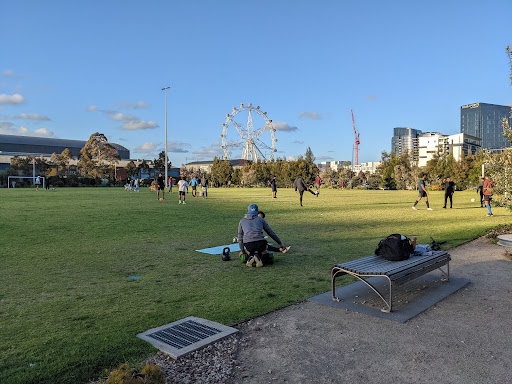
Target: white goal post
x: 10, y: 185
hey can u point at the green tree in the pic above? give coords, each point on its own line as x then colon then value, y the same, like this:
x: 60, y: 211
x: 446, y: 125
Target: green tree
x: 22, y: 165
x: 65, y: 158
x: 159, y: 164
x: 55, y: 161
x: 131, y: 169
x: 221, y: 171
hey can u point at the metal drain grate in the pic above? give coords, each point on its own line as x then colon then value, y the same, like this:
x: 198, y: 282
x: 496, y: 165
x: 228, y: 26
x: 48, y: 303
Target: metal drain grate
x: 186, y: 335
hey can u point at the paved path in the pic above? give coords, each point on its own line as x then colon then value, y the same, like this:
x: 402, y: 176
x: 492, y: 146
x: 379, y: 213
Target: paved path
x: 466, y: 338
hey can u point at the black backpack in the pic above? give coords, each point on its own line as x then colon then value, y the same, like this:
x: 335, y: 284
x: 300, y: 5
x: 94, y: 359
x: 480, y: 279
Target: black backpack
x: 394, y: 248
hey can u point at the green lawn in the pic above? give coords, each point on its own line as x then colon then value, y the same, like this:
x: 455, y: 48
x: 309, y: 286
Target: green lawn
x: 68, y: 312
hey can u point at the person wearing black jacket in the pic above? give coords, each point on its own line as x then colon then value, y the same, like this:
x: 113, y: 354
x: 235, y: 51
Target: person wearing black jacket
x: 449, y: 190
x: 480, y: 190
x: 300, y: 186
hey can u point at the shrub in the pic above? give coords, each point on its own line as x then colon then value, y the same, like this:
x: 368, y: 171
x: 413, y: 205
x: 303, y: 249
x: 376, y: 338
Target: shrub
x: 147, y: 374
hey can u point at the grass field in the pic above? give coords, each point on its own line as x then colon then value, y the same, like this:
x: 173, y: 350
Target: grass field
x: 68, y: 311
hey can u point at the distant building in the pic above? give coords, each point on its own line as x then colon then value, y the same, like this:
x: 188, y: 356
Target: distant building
x: 484, y: 121
x: 405, y: 140
x: 206, y: 166
x: 332, y: 164
x: 36, y: 146
x: 369, y: 167
x: 432, y: 143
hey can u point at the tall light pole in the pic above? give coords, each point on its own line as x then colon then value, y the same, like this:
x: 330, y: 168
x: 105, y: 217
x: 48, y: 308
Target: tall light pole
x: 166, y: 177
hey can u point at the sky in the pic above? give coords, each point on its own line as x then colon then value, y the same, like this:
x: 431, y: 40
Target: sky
x: 69, y: 69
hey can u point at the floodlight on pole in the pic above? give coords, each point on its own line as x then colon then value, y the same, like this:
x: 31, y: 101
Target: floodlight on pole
x: 166, y: 177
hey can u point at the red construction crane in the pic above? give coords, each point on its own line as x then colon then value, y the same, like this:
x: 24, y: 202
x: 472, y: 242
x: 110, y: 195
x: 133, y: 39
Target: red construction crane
x: 356, y: 151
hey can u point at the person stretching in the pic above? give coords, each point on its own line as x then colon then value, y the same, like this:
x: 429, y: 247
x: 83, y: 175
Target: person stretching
x: 250, y: 236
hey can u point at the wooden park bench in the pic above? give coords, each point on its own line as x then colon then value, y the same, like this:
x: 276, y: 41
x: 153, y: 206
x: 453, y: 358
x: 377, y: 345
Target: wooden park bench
x: 397, y: 272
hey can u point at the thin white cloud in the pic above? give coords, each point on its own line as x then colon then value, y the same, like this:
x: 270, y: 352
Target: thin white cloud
x: 371, y: 97
x: 121, y: 117
x: 135, y: 125
x: 32, y: 116
x: 11, y: 99
x: 324, y: 158
x: 7, y: 128
x: 137, y: 105
x: 283, y: 126
x: 297, y: 142
x: 177, y: 147
x: 10, y: 74
x: 311, y: 115
x: 210, y: 152
x: 146, y: 148
x: 91, y: 108
x: 291, y: 158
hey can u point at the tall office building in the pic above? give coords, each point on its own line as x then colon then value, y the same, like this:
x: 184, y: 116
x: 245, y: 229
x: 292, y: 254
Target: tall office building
x: 484, y: 121
x: 405, y: 140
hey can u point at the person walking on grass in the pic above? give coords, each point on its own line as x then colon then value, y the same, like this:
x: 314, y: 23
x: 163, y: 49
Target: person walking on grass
x: 194, y: 184
x: 204, y: 187
x: 273, y: 186
x: 480, y: 191
x: 449, y: 190
x: 300, y: 187
x: 182, y: 190
x: 487, y: 190
x: 160, y: 186
x: 251, y: 239
x: 422, y: 187
x: 170, y: 184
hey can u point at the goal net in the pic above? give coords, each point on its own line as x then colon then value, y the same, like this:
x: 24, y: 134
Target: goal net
x: 22, y: 181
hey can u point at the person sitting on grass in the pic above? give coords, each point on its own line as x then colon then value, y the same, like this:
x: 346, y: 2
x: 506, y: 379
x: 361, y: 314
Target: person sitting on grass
x: 271, y: 248
x: 251, y: 239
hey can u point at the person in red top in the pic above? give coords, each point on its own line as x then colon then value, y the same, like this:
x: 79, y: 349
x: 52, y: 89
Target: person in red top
x: 487, y: 190
x: 318, y: 181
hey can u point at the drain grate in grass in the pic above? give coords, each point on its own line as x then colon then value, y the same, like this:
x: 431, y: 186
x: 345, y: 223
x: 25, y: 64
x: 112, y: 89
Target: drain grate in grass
x: 185, y: 335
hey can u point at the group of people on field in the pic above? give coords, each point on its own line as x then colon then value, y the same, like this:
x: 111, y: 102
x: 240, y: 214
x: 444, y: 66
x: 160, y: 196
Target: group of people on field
x: 484, y: 189
x: 182, y: 187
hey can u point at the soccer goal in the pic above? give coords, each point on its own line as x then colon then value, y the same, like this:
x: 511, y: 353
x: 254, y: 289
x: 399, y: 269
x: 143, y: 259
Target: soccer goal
x: 11, y: 180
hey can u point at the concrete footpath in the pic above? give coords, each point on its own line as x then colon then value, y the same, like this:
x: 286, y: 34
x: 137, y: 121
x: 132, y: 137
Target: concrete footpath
x: 465, y: 338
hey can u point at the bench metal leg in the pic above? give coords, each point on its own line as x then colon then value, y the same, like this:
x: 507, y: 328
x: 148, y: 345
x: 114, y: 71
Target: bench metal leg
x: 447, y: 273
x: 341, y: 273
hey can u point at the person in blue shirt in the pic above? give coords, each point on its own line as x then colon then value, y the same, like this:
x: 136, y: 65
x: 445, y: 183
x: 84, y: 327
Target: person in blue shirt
x: 422, y: 187
x: 194, y: 183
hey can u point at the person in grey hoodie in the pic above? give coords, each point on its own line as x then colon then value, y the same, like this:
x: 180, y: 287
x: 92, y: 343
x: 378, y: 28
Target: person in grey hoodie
x: 250, y: 235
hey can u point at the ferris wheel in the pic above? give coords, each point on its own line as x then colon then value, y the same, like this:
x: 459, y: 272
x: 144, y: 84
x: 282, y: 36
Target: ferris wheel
x: 238, y: 133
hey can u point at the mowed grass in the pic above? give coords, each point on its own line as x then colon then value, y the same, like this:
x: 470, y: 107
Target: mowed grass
x: 68, y: 310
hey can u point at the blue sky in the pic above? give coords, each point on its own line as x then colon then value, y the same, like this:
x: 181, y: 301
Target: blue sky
x: 71, y: 68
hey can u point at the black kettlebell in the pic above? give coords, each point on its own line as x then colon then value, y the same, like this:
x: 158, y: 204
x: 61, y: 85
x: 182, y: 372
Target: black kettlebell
x: 226, y: 254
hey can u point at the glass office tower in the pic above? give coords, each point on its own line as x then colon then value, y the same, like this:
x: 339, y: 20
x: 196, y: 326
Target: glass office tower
x: 405, y: 140
x: 483, y: 121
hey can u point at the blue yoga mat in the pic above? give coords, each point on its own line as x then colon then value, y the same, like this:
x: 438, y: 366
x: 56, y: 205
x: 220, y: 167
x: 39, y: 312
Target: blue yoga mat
x: 218, y: 250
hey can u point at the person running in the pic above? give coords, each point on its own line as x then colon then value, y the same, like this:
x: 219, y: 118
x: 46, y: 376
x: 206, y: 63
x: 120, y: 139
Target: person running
x: 271, y: 247
x: 300, y: 187
x: 204, y: 187
x: 487, y: 190
x: 194, y: 184
x: 160, y: 186
x: 273, y: 186
x: 318, y: 181
x: 182, y: 190
x: 251, y: 238
x: 422, y: 187
x: 170, y: 184
x: 480, y: 191
x: 449, y: 190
